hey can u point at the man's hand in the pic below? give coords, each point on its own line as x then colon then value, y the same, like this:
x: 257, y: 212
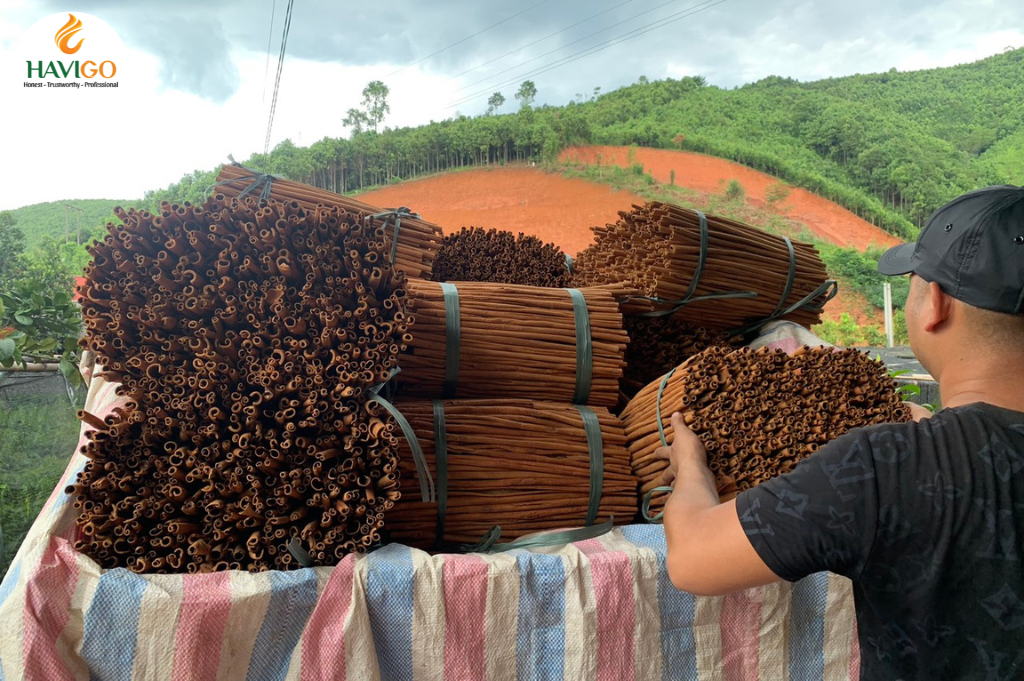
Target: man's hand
x: 708, y: 551
x: 917, y: 412
x: 685, y: 452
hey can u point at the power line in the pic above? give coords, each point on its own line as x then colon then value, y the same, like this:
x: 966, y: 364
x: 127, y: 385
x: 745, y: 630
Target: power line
x: 277, y: 80
x: 707, y: 4
x: 559, y: 49
x: 266, y: 64
x: 550, y: 35
x: 444, y: 49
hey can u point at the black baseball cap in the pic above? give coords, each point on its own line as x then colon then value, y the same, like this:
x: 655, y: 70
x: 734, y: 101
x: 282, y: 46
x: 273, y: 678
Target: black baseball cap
x: 973, y: 247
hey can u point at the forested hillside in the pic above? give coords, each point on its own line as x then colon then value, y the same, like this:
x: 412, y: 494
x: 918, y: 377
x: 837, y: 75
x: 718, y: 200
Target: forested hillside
x: 57, y: 218
x: 890, y: 147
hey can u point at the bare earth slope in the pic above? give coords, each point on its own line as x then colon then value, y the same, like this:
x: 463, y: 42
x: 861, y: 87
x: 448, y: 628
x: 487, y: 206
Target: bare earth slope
x: 710, y: 174
x: 517, y: 199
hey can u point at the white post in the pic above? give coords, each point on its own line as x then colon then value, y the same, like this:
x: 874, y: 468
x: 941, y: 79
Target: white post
x: 887, y: 294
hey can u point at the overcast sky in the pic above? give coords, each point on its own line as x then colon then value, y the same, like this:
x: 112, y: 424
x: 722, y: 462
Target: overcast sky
x: 197, y: 84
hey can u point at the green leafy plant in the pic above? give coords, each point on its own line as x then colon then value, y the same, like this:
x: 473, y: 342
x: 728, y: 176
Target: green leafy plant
x: 40, y: 327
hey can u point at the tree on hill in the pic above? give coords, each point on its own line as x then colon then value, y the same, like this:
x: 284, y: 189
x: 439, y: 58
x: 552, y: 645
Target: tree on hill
x: 375, y: 102
x: 526, y: 93
x: 12, y: 244
x: 375, y: 107
x: 495, y: 102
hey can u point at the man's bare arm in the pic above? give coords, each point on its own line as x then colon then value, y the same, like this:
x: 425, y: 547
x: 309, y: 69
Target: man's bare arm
x: 708, y: 552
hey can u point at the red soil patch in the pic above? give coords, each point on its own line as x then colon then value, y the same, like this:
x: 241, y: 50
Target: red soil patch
x: 710, y: 174
x: 516, y: 199
x: 854, y: 304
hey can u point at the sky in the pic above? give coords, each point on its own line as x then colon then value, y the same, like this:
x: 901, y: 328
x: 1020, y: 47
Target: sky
x: 196, y: 77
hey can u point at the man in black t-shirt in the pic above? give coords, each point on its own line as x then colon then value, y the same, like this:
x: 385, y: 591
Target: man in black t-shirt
x: 927, y: 517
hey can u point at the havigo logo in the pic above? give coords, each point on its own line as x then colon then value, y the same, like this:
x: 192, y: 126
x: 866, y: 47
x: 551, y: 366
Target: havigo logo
x: 94, y: 48
x: 66, y: 33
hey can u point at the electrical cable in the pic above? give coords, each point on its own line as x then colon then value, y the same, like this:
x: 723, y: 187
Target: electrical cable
x: 708, y: 4
x: 266, y: 64
x: 559, y: 49
x: 550, y: 35
x: 444, y: 49
x: 277, y: 80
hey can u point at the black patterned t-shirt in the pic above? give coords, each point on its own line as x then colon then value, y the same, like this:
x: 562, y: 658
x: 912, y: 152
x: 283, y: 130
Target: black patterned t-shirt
x: 927, y: 519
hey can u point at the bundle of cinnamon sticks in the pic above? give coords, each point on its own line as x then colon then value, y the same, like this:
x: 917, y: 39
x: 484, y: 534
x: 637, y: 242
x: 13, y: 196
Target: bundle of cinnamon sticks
x: 246, y: 336
x: 758, y: 413
x: 658, y: 344
x: 418, y: 239
x: 706, y: 270
x: 523, y: 465
x: 514, y: 341
x: 475, y: 254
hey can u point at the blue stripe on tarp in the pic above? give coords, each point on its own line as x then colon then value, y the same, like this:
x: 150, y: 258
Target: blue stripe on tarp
x: 389, y: 602
x: 540, y: 631
x: 292, y: 599
x: 678, y: 609
x: 63, y: 499
x: 807, y: 629
x: 7, y: 587
x: 112, y: 625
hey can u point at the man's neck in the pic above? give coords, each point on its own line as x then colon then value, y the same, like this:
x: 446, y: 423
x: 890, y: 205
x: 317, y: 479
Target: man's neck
x: 997, y: 383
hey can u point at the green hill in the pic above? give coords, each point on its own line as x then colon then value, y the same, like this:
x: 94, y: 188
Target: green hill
x: 53, y: 219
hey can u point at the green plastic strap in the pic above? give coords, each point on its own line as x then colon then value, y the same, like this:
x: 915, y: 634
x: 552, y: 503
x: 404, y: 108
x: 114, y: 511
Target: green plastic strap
x: 645, y: 507
x: 657, y: 406
x: 422, y: 471
x: 592, y: 427
x: 299, y: 553
x: 488, y: 544
x: 453, y: 339
x: 441, y: 466
x: 569, y: 263
x: 397, y: 214
x: 826, y: 292
x: 677, y: 305
x: 584, y: 347
x: 255, y: 180
x: 790, y: 279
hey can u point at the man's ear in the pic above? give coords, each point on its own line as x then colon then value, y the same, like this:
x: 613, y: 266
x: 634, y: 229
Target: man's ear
x: 937, y: 307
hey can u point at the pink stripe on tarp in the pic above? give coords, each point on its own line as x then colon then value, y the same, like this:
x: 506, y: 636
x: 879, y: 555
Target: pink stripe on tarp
x: 323, y: 641
x: 48, y: 594
x: 855, y: 653
x: 612, y: 575
x: 465, y: 630
x: 205, y: 607
x: 741, y: 630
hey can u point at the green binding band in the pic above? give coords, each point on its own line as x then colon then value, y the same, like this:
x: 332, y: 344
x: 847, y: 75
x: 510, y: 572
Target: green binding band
x: 584, y: 347
x: 790, y: 279
x: 657, y: 406
x: 440, y: 467
x: 397, y: 214
x: 422, y: 471
x: 645, y: 507
x: 569, y: 263
x: 299, y: 553
x: 592, y: 427
x: 826, y: 292
x: 256, y: 180
x: 677, y: 305
x: 453, y: 339
x: 488, y: 543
